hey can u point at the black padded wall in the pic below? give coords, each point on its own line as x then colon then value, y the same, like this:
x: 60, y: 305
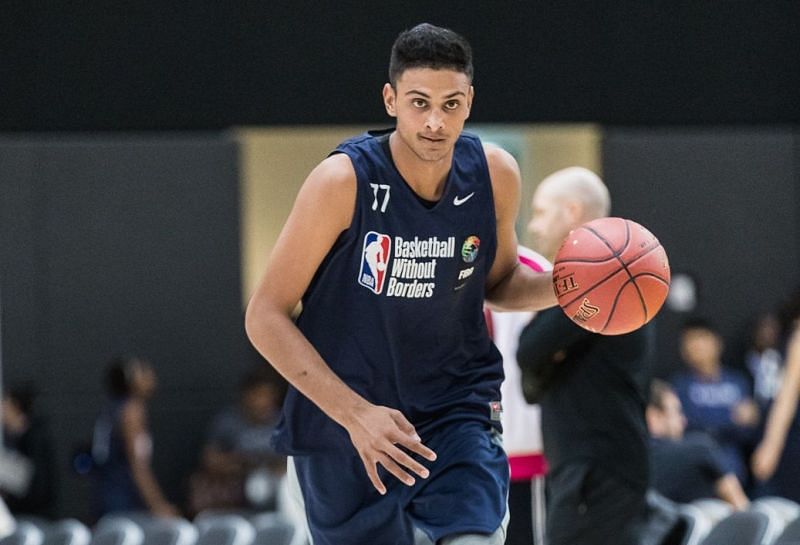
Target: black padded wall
x: 725, y: 204
x: 111, y: 244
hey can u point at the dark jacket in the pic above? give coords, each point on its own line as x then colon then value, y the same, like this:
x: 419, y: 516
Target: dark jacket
x: 593, y: 393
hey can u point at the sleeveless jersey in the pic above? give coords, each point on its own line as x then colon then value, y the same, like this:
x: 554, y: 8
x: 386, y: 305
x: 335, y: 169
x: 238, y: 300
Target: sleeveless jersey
x: 396, y: 307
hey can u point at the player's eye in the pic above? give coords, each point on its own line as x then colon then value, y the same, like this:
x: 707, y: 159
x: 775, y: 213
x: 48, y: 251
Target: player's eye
x: 419, y: 103
x: 451, y: 104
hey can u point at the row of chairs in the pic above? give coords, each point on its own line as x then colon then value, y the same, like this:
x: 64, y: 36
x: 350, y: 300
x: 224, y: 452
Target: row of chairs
x: 768, y: 521
x: 142, y: 529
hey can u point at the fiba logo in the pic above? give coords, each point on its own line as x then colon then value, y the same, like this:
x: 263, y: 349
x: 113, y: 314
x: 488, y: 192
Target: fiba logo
x: 469, y: 250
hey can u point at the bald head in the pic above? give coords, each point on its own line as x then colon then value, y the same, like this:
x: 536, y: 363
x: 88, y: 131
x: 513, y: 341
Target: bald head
x: 582, y: 187
x: 563, y: 201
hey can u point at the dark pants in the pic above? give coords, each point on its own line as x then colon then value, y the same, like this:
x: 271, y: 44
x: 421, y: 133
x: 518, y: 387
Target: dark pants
x: 520, y: 528
x: 526, y: 505
x: 587, y: 506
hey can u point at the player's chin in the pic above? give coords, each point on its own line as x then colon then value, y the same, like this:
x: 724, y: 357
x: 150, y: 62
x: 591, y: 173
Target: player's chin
x: 434, y: 153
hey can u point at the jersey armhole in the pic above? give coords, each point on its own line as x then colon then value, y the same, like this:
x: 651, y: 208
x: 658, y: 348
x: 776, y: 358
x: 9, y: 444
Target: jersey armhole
x: 485, y: 164
x: 356, y: 216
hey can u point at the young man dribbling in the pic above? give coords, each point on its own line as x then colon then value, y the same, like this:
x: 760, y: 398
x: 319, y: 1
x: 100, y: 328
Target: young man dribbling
x: 392, y: 419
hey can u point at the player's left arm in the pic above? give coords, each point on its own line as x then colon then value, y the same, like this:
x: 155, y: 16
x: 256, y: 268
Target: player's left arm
x: 508, y: 285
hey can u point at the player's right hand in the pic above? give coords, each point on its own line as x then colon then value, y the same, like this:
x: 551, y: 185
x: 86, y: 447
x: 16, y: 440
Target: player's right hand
x: 377, y: 434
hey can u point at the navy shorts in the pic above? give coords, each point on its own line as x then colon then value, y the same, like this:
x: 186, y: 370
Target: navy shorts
x: 466, y: 491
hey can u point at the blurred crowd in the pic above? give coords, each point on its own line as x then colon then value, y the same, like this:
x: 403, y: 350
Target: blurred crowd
x: 237, y: 468
x: 722, y: 425
x: 725, y: 426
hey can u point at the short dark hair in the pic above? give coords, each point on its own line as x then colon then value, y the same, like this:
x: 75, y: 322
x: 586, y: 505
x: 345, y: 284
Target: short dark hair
x: 697, y: 322
x: 429, y: 46
x: 119, y: 374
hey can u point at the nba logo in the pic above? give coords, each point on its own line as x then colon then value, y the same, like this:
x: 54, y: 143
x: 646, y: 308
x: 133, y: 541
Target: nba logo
x: 374, y: 261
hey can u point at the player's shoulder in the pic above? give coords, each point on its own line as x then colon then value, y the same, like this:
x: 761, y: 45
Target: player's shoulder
x: 500, y: 161
x: 329, y: 192
x: 335, y: 173
x: 503, y: 172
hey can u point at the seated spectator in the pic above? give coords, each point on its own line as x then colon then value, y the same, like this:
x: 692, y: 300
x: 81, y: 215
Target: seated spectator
x: 715, y: 398
x: 122, y: 445
x: 685, y: 468
x: 26, y: 434
x: 240, y: 469
x: 764, y: 360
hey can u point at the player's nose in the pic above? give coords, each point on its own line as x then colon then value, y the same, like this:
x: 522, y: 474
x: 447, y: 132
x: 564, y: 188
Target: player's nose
x: 434, y: 121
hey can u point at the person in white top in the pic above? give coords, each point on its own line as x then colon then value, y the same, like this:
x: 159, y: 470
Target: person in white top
x: 522, y: 437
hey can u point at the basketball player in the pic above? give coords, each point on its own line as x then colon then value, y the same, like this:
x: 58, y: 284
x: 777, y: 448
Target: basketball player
x: 592, y: 390
x: 393, y: 415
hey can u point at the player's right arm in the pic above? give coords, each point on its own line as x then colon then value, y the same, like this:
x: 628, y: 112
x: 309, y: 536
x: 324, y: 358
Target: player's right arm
x: 323, y: 210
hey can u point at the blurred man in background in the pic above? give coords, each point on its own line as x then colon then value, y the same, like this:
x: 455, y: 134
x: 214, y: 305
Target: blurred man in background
x: 592, y: 390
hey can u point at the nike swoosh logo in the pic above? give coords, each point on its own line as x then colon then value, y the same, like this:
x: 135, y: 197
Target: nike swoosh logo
x: 458, y: 201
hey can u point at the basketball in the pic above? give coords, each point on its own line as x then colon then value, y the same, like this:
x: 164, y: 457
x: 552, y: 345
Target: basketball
x: 611, y: 276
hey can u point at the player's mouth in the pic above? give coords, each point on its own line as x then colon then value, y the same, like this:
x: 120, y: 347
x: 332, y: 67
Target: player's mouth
x: 433, y: 139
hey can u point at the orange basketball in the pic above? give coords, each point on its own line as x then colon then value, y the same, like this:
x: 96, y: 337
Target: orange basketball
x: 611, y: 276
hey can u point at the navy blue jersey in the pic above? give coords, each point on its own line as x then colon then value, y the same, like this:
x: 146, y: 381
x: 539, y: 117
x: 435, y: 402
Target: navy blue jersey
x: 395, y: 308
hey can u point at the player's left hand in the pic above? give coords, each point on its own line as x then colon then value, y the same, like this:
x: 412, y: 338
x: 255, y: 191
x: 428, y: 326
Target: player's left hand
x: 377, y: 434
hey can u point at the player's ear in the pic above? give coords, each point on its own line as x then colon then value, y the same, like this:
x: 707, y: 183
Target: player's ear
x: 390, y: 100
x: 575, y: 211
x: 470, y: 96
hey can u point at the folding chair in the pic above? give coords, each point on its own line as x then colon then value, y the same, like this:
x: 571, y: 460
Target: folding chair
x: 713, y: 508
x: 273, y: 529
x: 67, y: 532
x: 741, y: 528
x: 790, y: 534
x: 24, y: 534
x: 117, y: 531
x: 698, y: 524
x: 224, y: 530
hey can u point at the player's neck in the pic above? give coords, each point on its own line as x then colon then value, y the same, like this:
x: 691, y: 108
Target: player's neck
x: 426, y: 178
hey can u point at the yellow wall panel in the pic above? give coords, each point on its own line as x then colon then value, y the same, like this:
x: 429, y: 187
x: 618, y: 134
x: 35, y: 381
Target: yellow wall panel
x: 275, y: 161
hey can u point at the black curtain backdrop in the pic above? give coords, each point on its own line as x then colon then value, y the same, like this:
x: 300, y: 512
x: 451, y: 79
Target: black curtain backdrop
x: 209, y: 64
